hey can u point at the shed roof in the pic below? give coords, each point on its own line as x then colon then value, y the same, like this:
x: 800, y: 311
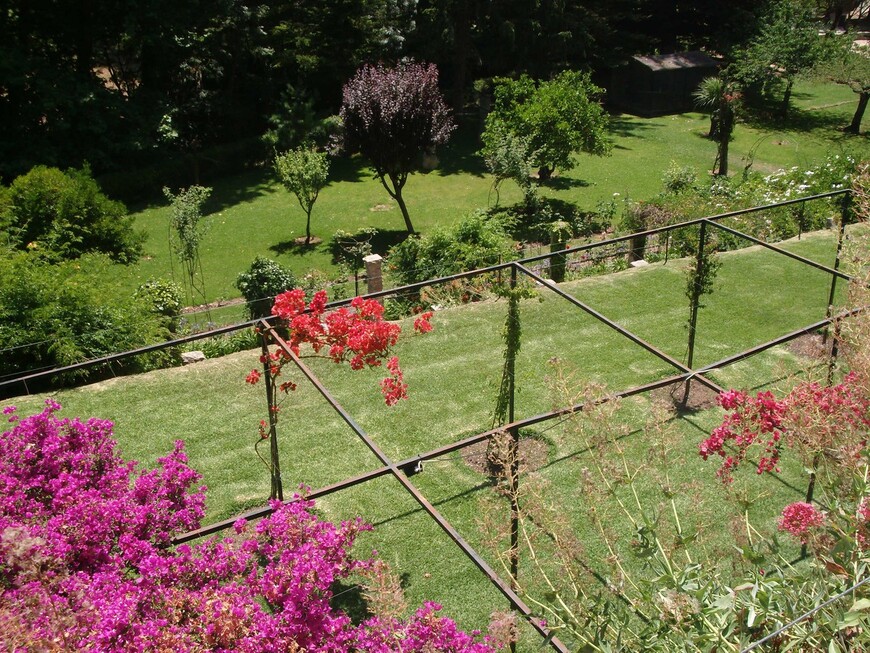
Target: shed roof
x: 677, y: 60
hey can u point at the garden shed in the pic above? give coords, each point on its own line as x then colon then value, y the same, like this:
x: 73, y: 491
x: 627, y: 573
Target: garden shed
x: 655, y: 85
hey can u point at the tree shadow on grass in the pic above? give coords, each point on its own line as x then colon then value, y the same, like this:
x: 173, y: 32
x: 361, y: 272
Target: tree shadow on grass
x: 293, y: 247
x: 238, y: 189
x: 564, y: 183
x: 460, y: 154
x: 349, y: 169
x: 381, y: 242
x: 625, y: 126
x: 768, y: 117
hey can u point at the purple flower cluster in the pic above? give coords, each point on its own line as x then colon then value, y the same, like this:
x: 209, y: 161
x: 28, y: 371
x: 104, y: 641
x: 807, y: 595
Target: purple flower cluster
x: 87, y: 562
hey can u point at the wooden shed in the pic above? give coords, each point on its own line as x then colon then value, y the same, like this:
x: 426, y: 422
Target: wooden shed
x: 659, y: 84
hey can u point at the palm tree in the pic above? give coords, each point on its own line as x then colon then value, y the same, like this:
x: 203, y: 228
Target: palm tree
x: 719, y: 96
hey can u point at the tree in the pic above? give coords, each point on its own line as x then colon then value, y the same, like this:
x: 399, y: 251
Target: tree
x: 559, y: 117
x: 787, y: 45
x: 303, y: 172
x: 392, y: 116
x: 850, y: 65
x: 186, y: 231
x: 720, y: 96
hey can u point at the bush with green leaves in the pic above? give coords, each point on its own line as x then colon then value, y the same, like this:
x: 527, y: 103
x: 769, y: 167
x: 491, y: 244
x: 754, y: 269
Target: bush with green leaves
x: 64, y: 215
x: 476, y: 241
x: 261, y: 282
x: 52, y: 316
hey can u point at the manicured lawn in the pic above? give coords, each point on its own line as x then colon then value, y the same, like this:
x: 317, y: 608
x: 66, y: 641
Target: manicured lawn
x: 453, y: 374
x: 252, y: 215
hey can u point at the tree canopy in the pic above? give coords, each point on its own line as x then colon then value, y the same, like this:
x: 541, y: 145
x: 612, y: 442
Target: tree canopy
x: 392, y: 116
x: 559, y: 117
x: 303, y: 172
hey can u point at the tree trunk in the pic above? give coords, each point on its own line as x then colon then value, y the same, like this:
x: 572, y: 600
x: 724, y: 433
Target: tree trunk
x: 404, y: 209
x: 396, y: 193
x: 544, y: 173
x: 308, y: 228
x: 855, y: 126
x: 723, y: 156
x: 786, y: 99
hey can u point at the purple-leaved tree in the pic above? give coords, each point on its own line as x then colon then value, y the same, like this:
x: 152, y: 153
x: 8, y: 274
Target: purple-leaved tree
x: 392, y: 116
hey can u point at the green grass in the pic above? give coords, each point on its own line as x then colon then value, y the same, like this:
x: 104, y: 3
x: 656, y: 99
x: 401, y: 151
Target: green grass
x: 251, y: 215
x: 453, y: 374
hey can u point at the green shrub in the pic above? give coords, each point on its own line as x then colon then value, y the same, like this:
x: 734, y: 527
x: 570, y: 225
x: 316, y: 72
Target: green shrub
x: 476, y: 241
x: 162, y: 298
x: 52, y: 316
x: 262, y: 281
x: 228, y: 343
x: 64, y: 215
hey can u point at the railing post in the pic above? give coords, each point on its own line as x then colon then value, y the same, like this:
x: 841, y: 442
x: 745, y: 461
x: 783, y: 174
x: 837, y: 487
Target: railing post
x: 841, y: 230
x: 374, y: 273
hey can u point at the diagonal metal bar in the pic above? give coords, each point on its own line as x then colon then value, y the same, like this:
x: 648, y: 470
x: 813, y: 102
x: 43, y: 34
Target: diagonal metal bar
x: 748, y: 353
x: 512, y: 597
x: 780, y: 250
x: 620, y: 329
x: 264, y: 511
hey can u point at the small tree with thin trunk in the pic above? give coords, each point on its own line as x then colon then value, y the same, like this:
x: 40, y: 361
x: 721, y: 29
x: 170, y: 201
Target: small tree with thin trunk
x: 303, y: 172
x: 850, y: 65
x: 392, y: 116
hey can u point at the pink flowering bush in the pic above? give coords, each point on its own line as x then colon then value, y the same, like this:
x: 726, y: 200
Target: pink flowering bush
x: 87, y: 562
x: 800, y: 518
x: 813, y: 418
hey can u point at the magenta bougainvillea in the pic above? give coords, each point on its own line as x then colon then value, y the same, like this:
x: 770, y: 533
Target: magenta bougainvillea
x: 87, y: 562
x: 800, y: 518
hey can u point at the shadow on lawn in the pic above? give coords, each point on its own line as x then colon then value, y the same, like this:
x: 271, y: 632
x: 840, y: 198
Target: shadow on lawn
x: 238, y: 189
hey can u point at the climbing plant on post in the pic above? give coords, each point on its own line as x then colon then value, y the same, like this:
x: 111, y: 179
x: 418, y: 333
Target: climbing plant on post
x: 357, y: 335
x: 699, y: 282
x: 186, y: 231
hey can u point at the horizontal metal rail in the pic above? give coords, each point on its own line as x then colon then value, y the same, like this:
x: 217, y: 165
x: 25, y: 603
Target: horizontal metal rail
x: 436, y: 281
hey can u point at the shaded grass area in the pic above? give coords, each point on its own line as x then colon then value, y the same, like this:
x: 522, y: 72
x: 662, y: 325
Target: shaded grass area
x: 251, y: 214
x: 453, y: 374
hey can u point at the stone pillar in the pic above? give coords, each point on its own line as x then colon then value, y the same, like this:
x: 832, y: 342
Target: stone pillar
x: 374, y: 273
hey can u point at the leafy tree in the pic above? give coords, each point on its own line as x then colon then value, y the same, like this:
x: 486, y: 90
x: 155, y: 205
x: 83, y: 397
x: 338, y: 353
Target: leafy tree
x: 392, y: 116
x: 303, y: 172
x: 850, y: 65
x: 559, y: 117
x: 719, y: 96
x: 510, y: 156
x: 186, y: 230
x: 787, y: 45
x: 64, y: 215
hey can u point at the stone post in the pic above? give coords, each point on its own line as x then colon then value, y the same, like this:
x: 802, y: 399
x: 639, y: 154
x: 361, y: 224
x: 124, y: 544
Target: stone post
x: 374, y: 273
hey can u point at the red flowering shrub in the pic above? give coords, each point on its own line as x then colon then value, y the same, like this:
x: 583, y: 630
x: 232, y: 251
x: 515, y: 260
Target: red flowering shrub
x: 358, y: 335
x: 87, y: 563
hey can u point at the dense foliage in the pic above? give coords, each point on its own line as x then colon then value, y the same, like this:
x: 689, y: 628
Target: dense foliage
x: 559, y: 118
x: 261, y: 282
x: 88, y: 563
x: 475, y: 241
x: 52, y: 315
x: 64, y: 215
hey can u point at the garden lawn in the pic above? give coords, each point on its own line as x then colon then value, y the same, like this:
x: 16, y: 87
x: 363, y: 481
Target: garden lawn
x: 453, y: 374
x: 252, y: 215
